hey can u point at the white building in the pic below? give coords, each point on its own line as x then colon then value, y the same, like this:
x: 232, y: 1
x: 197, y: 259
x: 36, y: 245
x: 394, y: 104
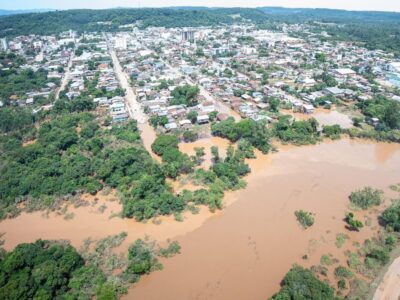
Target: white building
x: 121, y: 43
x: 344, y: 72
x: 3, y: 44
x: 393, y: 67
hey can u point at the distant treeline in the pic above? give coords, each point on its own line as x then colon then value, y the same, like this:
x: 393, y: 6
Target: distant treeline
x: 87, y: 20
x: 377, y: 30
x: 301, y: 15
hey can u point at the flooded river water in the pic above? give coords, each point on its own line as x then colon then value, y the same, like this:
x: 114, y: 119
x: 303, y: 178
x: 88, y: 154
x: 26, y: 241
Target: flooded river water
x: 243, y: 251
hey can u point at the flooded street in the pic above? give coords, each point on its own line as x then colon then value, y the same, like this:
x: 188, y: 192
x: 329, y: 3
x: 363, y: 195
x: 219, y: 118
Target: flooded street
x: 333, y: 117
x: 148, y: 135
x: 326, y: 117
x: 243, y: 251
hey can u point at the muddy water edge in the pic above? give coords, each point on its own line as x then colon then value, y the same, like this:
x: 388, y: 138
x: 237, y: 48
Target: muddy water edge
x: 244, y: 251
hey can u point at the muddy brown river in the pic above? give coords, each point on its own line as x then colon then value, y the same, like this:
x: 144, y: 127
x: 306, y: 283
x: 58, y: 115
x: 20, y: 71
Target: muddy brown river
x: 243, y: 251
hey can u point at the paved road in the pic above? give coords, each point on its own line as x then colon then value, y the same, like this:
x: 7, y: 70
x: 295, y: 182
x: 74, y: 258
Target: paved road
x: 65, y: 79
x: 133, y: 106
x: 389, y: 289
x: 135, y: 111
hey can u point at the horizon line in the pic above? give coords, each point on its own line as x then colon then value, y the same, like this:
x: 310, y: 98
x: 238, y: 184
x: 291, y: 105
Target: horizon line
x: 44, y: 10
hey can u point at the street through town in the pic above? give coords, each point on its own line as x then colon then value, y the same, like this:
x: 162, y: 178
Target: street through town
x: 134, y: 107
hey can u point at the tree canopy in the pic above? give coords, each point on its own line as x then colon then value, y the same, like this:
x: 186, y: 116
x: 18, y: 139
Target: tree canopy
x: 186, y: 95
x: 40, y: 270
x: 300, y: 283
x: 391, y: 216
x: 256, y: 133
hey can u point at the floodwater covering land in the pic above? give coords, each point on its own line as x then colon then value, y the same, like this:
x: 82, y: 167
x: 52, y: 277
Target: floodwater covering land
x: 326, y: 117
x: 244, y: 251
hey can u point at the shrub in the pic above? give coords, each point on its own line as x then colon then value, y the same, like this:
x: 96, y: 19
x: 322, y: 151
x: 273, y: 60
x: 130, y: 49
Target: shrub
x: 358, y: 289
x: 190, y: 136
x: 391, y: 216
x: 382, y: 256
x: 343, y: 272
x: 340, y: 239
x: 353, y: 224
x: 300, y: 283
x: 332, y: 131
x: 327, y: 260
x: 164, y: 141
x: 321, y: 270
x: 172, y: 249
x: 306, y: 219
x: 296, y: 132
x: 342, y: 284
x: 192, y: 116
x: 366, y: 198
x: 141, y: 258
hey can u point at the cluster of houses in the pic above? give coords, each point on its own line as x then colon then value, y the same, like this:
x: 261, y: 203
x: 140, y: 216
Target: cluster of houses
x: 38, y: 53
x: 245, y: 68
x: 154, y: 82
x: 239, y: 66
x: 62, y: 60
x: 95, y: 64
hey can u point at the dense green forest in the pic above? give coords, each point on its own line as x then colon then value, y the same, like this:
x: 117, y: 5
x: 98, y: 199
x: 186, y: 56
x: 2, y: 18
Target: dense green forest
x: 301, y: 15
x: 371, y: 35
x: 71, y: 153
x: 87, y: 20
x: 16, y: 119
x: 39, y: 270
x: 56, y: 270
x: 63, y: 160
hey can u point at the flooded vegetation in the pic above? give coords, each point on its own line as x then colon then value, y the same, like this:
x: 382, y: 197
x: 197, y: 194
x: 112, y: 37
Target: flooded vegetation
x: 259, y: 156
x: 258, y: 224
x: 261, y: 230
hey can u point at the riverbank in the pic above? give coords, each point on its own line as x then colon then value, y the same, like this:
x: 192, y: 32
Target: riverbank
x: 387, y: 285
x: 259, y: 228
x: 257, y: 224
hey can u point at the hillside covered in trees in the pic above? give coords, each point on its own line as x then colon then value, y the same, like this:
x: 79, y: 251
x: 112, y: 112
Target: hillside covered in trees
x: 94, y: 20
